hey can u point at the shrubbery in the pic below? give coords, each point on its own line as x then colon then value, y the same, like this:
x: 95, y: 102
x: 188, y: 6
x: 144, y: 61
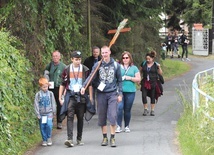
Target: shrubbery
x: 16, y: 96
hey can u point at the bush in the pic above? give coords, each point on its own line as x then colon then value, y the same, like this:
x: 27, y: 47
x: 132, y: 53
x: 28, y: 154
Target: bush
x: 16, y: 96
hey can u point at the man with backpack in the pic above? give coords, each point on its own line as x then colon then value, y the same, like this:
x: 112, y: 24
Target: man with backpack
x: 108, y: 81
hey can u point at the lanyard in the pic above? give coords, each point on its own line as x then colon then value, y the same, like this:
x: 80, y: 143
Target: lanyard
x: 76, y: 77
x: 126, y: 70
x: 148, y: 69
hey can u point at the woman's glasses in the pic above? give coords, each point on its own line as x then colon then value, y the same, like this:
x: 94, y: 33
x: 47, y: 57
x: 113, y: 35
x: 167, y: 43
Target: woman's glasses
x: 125, y: 57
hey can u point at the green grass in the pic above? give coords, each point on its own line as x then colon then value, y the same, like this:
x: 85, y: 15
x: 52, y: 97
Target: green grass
x: 196, y: 132
x: 173, y: 68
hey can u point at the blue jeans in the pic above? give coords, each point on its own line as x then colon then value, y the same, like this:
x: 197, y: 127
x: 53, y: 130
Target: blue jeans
x: 125, y: 107
x: 46, y: 129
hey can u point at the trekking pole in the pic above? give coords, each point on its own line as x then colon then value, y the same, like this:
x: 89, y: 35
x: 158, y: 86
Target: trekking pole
x: 119, y: 28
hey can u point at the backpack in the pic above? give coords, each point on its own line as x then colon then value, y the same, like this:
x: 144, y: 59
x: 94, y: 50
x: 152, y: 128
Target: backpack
x: 160, y: 77
x: 180, y: 40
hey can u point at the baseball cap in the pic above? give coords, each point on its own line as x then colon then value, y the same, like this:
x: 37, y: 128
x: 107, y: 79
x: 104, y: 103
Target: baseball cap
x: 76, y: 54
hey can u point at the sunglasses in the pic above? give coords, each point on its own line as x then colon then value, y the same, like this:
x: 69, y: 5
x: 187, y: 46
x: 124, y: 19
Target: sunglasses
x: 125, y: 57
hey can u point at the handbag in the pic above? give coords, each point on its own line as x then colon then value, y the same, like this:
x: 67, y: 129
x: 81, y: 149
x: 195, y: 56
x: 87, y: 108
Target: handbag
x: 161, y: 79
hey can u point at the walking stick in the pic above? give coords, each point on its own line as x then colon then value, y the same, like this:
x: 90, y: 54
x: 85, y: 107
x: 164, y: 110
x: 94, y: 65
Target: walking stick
x: 119, y: 28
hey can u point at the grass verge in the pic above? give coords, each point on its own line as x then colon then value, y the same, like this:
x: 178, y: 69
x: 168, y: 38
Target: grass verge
x: 196, y: 131
x: 173, y: 68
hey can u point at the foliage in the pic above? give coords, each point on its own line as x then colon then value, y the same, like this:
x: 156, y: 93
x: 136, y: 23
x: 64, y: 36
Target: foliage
x: 199, y: 11
x: 189, y: 11
x: 196, y: 130
x: 15, y: 96
x: 44, y: 26
x: 174, y: 9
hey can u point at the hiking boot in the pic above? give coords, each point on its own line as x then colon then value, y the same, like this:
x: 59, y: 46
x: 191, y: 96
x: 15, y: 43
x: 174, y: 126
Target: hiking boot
x: 69, y: 143
x: 118, y: 130
x: 79, y: 142
x: 112, y: 142
x: 146, y: 112
x: 104, y: 142
x: 44, y: 143
x: 59, y: 125
x: 152, y: 113
x: 49, y: 142
x: 127, y: 129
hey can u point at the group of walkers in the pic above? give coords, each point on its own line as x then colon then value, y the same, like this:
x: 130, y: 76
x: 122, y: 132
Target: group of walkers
x: 172, y: 41
x: 109, y: 85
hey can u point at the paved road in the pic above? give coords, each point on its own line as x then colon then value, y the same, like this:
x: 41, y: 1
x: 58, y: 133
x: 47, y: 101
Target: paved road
x: 149, y: 135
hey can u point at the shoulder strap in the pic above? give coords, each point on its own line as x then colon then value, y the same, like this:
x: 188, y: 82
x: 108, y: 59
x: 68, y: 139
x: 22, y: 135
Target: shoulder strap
x: 39, y: 96
x: 144, y: 63
x: 115, y: 65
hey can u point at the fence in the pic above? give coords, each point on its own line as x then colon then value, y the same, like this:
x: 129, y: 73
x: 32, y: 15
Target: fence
x: 198, y: 94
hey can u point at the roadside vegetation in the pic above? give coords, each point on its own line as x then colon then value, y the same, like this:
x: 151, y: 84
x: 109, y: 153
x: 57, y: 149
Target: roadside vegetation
x: 44, y: 26
x: 196, y: 131
x: 16, y: 97
x: 172, y: 68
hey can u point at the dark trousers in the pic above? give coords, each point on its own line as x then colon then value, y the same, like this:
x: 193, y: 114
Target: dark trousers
x: 184, y: 50
x: 151, y: 94
x: 79, y: 110
x: 56, y: 96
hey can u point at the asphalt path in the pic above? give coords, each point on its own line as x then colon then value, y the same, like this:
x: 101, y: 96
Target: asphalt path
x: 150, y: 135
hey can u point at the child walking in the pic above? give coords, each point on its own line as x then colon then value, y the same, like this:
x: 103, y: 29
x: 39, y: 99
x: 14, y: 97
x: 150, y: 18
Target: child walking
x: 45, y: 107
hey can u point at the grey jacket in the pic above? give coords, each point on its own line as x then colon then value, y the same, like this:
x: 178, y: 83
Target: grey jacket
x: 47, y: 109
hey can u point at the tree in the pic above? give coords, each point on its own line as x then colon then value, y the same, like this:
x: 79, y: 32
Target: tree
x: 199, y: 11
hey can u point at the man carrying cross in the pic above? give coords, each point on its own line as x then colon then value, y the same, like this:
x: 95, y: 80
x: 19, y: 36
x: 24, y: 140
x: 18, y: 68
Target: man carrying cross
x: 108, y: 81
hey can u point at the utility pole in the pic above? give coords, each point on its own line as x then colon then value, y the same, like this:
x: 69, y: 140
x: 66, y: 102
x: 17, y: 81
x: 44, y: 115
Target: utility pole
x: 213, y: 28
x: 89, y: 23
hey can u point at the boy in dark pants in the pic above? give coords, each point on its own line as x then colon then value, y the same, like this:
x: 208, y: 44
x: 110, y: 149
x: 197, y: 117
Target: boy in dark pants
x: 72, y: 79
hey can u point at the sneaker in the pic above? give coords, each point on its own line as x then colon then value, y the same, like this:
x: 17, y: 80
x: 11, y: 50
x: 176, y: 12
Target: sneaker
x: 145, y: 113
x: 44, y: 143
x: 79, y: 142
x: 118, y: 130
x: 187, y: 59
x: 49, y: 142
x: 59, y: 125
x: 152, y: 113
x: 104, y: 142
x: 182, y: 59
x: 127, y: 129
x: 69, y: 143
x: 112, y: 142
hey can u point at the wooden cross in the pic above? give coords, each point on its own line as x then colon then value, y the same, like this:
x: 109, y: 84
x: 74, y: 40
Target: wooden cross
x: 119, y: 29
